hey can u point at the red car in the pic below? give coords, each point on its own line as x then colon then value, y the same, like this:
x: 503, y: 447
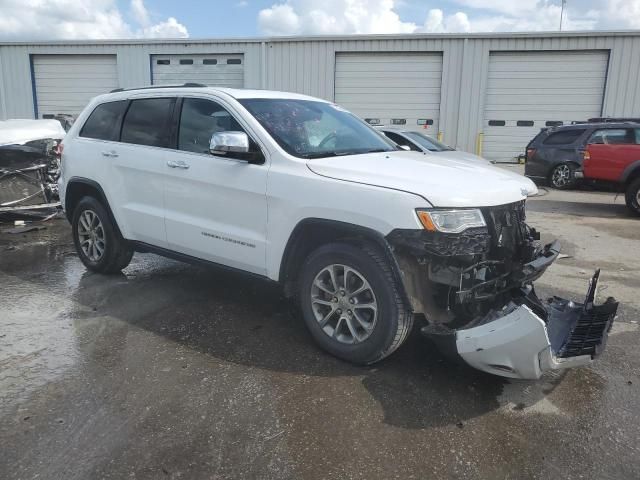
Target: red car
x: 612, y: 155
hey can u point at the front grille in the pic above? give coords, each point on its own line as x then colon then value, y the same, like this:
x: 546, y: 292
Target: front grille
x: 507, y: 224
x: 589, y: 334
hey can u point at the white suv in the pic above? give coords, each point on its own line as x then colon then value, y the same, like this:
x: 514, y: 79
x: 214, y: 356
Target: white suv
x: 299, y: 191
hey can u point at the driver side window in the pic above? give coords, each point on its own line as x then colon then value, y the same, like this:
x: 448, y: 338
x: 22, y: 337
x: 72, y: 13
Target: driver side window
x: 199, y: 120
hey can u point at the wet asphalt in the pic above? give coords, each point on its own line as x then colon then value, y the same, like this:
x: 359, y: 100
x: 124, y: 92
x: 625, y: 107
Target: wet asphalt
x: 177, y: 371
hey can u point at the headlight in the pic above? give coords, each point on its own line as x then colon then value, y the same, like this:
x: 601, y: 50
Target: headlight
x: 451, y: 221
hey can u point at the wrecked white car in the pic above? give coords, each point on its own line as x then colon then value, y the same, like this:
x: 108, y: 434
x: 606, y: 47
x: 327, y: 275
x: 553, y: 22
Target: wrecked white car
x: 29, y: 164
x: 365, y: 235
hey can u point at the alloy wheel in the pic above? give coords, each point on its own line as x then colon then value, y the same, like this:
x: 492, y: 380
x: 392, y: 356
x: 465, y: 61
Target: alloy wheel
x: 561, y: 176
x: 344, y: 304
x: 91, y: 235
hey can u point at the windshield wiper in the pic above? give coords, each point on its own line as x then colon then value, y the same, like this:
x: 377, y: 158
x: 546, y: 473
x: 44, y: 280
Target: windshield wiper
x: 323, y: 154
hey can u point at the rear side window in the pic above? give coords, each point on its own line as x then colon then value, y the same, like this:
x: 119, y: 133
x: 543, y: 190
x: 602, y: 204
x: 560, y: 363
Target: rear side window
x: 614, y: 136
x: 400, y: 140
x: 104, y: 121
x: 147, y: 121
x: 564, y: 137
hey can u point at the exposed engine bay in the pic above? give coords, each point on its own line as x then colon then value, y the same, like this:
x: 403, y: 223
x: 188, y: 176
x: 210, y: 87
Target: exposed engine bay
x: 29, y: 167
x: 476, y: 292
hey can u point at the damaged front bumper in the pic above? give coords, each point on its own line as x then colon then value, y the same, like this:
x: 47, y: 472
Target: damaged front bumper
x: 520, y: 344
x: 476, y: 293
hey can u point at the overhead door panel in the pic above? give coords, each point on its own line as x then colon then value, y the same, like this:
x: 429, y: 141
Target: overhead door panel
x: 527, y: 91
x: 64, y: 84
x: 208, y: 69
x: 394, y: 88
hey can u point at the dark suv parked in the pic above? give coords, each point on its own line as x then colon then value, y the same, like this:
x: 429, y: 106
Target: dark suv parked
x: 556, y: 153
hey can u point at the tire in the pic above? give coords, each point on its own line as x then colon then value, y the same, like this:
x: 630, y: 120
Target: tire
x: 632, y: 196
x: 562, y: 177
x: 364, y: 335
x: 104, y: 236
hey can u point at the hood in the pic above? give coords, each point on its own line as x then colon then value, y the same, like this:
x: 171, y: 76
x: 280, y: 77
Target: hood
x: 460, y: 155
x: 443, y: 182
x: 19, y: 132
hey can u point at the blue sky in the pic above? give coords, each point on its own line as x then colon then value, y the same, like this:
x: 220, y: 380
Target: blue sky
x: 103, y: 19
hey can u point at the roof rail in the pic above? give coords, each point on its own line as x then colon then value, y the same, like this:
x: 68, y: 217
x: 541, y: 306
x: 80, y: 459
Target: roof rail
x: 614, y: 119
x: 150, y: 87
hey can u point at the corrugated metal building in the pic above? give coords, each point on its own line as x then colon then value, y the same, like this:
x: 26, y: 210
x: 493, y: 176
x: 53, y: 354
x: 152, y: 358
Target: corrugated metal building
x: 505, y: 86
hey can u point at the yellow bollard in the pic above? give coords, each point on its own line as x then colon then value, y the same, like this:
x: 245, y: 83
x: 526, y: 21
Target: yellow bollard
x: 439, y: 136
x: 479, y: 141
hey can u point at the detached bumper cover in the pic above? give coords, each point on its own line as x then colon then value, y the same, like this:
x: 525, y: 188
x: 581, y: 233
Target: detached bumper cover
x: 520, y: 344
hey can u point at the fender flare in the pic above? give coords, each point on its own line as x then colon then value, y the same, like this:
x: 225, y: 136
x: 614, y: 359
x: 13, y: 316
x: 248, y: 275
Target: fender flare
x: 345, y: 230
x: 629, y: 170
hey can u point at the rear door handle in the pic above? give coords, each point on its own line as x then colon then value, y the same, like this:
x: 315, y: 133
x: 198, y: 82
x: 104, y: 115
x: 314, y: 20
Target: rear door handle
x: 178, y: 164
x: 112, y: 154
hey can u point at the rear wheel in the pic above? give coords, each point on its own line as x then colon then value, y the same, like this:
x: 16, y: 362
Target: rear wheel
x: 632, y: 196
x: 562, y: 176
x: 351, y: 303
x: 98, y: 241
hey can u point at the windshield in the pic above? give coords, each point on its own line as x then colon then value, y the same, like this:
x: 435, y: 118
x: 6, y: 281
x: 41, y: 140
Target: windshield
x: 309, y: 129
x: 427, y: 142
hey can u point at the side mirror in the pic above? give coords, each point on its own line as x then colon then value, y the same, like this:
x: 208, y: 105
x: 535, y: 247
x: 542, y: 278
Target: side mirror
x: 223, y: 143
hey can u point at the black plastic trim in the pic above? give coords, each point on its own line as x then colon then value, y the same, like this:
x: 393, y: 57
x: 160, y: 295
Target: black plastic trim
x: 142, y: 247
x: 353, y: 230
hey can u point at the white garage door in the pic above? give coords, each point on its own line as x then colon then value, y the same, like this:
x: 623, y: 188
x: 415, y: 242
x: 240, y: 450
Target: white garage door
x: 527, y: 91
x: 209, y: 69
x: 66, y: 83
x: 392, y: 88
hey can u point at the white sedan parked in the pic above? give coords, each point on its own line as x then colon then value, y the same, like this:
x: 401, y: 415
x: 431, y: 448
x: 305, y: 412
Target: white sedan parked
x: 420, y: 142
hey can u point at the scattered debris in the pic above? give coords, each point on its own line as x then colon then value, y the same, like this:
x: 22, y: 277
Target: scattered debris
x: 25, y: 229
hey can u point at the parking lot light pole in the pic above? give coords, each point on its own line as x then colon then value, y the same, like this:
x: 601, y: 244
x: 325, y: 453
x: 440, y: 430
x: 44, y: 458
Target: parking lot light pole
x: 564, y: 2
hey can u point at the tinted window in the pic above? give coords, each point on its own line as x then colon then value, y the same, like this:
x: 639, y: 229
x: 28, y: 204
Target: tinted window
x: 104, y: 121
x: 200, y: 119
x: 427, y: 142
x: 400, y: 140
x: 637, y: 136
x: 564, y: 137
x: 146, y: 122
x: 524, y: 123
x: 497, y: 123
x: 614, y: 136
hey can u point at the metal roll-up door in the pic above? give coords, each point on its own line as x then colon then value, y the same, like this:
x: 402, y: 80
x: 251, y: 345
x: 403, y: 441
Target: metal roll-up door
x: 527, y: 91
x: 64, y: 84
x: 208, y: 69
x: 393, y: 88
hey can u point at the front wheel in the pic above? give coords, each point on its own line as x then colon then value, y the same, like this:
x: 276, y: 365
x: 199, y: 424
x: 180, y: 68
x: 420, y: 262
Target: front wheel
x: 351, y: 303
x: 98, y: 241
x: 632, y: 196
x: 562, y: 176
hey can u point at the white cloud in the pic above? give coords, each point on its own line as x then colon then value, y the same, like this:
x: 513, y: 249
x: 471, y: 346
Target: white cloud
x: 80, y: 19
x: 170, y: 28
x: 292, y: 17
x: 332, y: 17
x: 139, y: 12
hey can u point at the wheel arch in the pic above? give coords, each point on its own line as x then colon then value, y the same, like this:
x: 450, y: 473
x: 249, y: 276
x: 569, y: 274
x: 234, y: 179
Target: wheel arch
x: 631, y: 172
x: 79, y: 187
x: 311, y: 233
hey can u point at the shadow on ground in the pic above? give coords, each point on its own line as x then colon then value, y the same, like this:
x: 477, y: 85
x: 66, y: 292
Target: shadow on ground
x: 247, y: 322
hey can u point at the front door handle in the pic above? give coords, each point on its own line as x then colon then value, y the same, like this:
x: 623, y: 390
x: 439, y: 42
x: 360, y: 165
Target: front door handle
x: 112, y: 154
x: 178, y: 164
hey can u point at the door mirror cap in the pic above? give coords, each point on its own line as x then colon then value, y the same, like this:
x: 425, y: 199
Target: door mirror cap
x: 229, y: 142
